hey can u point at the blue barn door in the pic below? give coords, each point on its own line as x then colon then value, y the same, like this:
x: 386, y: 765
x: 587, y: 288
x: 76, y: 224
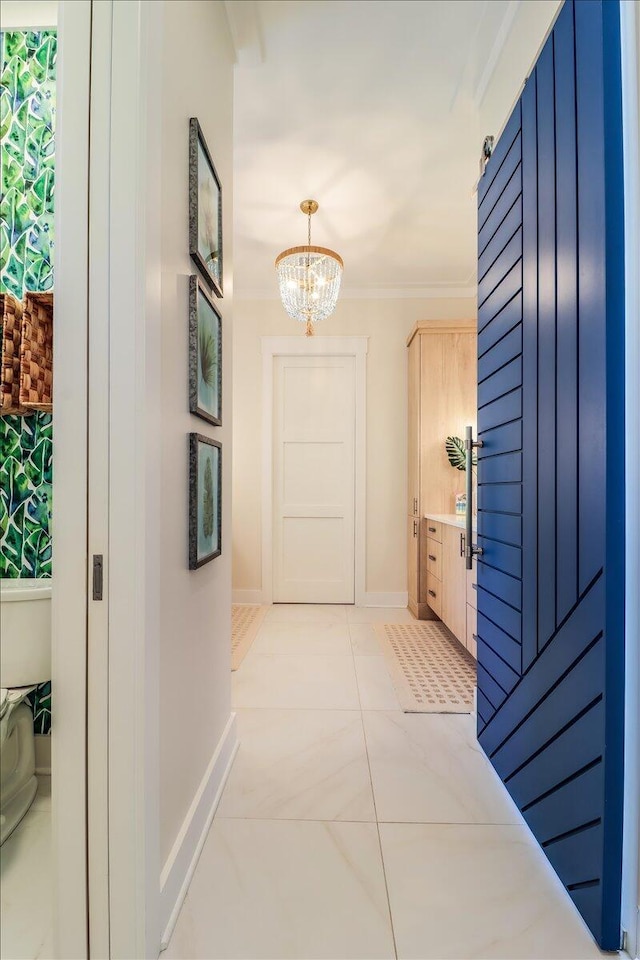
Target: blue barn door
x: 551, y: 467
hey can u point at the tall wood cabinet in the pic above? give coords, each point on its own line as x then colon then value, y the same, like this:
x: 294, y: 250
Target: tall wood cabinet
x: 441, y: 402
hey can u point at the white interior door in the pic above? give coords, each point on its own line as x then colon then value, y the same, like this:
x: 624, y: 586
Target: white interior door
x: 314, y: 479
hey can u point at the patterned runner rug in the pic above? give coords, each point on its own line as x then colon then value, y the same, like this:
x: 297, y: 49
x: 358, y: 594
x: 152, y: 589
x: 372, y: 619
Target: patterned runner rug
x: 246, y: 619
x: 430, y: 670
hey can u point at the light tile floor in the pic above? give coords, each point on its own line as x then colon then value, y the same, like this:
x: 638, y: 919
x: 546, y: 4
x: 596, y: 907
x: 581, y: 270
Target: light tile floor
x: 348, y: 829
x: 26, y: 891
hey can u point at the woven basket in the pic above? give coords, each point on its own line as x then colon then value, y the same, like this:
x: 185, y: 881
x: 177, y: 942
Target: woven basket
x: 36, y: 352
x: 11, y: 312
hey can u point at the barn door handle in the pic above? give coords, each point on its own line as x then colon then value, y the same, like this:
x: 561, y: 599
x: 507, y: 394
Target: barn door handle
x: 471, y: 549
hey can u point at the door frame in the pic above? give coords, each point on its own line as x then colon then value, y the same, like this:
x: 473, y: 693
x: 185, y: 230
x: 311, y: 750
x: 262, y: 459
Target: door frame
x: 630, y: 42
x: 70, y: 485
x: 356, y: 347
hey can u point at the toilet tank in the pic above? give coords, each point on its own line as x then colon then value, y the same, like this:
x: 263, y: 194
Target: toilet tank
x: 25, y: 632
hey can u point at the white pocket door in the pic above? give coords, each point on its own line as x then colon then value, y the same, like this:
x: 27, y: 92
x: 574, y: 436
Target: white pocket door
x: 313, y: 479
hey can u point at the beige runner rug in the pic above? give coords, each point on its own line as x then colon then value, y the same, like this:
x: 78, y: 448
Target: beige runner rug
x: 430, y: 670
x: 246, y: 619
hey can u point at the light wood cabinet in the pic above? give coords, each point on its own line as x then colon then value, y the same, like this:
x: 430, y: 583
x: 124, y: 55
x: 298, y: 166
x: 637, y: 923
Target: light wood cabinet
x: 413, y: 561
x: 454, y: 584
x: 441, y: 402
x: 413, y: 462
x: 451, y: 594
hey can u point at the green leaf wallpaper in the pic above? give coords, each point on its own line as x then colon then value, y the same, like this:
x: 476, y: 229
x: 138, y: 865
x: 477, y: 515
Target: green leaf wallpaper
x: 27, y: 158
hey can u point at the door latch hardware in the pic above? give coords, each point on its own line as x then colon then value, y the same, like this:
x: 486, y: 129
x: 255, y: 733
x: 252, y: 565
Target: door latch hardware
x: 98, y: 576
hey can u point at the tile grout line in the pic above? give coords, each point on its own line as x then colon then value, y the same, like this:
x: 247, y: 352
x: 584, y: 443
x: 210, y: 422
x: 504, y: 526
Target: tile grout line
x: 375, y: 809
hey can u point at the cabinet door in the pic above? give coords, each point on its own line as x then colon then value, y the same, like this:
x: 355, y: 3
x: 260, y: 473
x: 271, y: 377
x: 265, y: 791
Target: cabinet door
x: 413, y: 561
x: 454, y: 584
x: 413, y: 486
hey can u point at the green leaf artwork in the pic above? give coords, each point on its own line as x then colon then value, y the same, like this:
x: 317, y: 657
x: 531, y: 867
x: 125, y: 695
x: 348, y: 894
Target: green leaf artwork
x: 27, y: 125
x: 207, y: 357
x: 207, y: 501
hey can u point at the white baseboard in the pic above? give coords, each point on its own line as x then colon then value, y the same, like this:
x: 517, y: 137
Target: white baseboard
x: 43, y: 754
x: 183, y: 859
x: 386, y: 599
x: 399, y: 599
x: 246, y: 596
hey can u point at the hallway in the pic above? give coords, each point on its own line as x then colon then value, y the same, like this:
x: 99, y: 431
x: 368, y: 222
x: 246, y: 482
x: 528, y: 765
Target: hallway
x: 348, y: 829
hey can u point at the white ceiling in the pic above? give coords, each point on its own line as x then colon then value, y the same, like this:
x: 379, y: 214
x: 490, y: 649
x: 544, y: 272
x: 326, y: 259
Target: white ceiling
x: 372, y: 108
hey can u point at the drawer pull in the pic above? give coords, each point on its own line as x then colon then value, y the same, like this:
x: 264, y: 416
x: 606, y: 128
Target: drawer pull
x: 432, y: 530
x: 431, y: 557
x: 432, y: 593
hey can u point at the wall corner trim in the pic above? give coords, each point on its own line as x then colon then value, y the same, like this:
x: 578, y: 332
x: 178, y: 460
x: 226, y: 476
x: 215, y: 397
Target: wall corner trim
x: 181, y: 863
x: 398, y: 599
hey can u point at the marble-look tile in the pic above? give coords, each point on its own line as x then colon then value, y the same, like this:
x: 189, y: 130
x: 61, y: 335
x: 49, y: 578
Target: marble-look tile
x: 280, y: 639
x: 477, y: 891
x: 379, y: 615
x: 306, y: 613
x: 428, y: 768
x: 299, y: 765
x: 374, y: 684
x: 316, y: 682
x: 364, y: 642
x: 26, y: 888
x: 286, y: 889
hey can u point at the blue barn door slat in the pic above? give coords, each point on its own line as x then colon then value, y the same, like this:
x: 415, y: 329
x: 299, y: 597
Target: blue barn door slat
x: 550, y: 471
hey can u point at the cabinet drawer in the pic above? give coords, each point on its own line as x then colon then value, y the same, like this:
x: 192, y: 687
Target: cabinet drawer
x: 434, y: 558
x: 434, y: 530
x: 472, y: 580
x: 434, y: 591
x: 472, y: 629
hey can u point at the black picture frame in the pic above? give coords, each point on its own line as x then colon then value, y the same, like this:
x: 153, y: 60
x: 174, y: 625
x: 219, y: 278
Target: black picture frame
x: 205, y: 352
x: 205, y: 518
x: 203, y: 180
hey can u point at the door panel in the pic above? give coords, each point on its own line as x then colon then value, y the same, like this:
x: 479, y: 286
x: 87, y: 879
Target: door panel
x: 314, y: 479
x: 550, y: 605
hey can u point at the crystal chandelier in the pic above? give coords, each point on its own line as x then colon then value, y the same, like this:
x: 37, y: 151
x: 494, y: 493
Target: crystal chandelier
x: 309, y: 278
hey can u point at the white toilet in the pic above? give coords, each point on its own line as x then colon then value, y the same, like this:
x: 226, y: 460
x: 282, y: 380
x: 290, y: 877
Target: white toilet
x: 25, y: 661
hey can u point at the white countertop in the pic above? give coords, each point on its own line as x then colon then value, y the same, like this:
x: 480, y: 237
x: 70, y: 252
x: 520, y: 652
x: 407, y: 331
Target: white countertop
x: 453, y: 519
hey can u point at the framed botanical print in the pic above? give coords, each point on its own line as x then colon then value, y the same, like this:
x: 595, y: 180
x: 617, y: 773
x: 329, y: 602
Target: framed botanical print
x: 205, y: 354
x: 205, y: 209
x: 205, y: 500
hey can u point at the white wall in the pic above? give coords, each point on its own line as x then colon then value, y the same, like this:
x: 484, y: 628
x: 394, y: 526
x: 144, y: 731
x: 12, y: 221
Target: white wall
x: 16, y: 14
x: 513, y: 62
x: 195, y: 606
x: 387, y: 323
